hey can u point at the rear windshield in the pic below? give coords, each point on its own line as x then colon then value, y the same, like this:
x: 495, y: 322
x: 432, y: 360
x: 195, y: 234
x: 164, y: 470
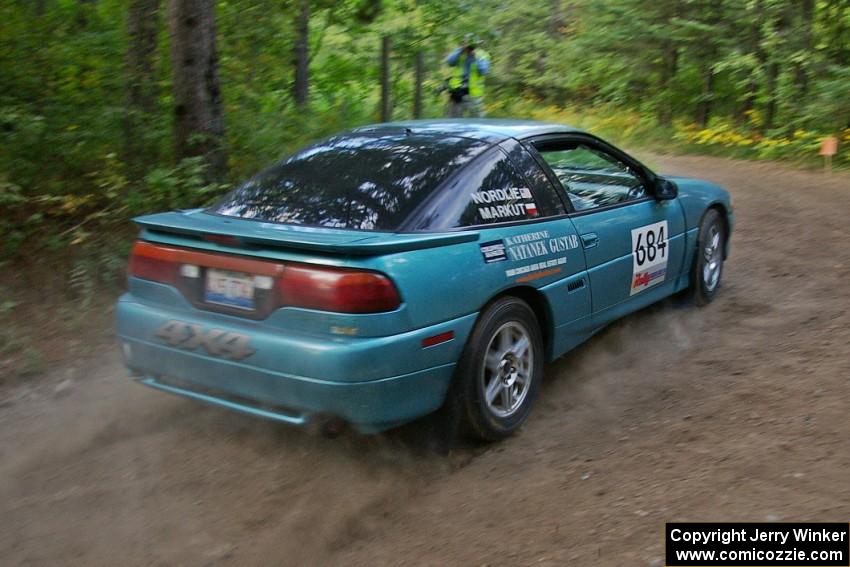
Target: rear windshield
x: 356, y: 181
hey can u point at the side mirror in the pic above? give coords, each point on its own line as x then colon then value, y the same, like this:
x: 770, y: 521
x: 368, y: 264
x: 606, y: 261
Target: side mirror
x: 665, y: 190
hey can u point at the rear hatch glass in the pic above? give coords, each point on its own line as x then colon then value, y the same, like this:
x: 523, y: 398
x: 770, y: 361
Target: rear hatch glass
x: 361, y: 181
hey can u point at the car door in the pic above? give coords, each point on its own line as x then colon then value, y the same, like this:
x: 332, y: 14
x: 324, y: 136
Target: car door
x: 633, y: 243
x: 527, y: 240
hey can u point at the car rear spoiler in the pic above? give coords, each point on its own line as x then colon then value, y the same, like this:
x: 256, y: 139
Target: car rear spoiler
x: 195, y: 225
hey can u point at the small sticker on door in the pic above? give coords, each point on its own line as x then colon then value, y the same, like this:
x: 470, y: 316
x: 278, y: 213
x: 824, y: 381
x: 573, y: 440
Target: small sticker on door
x: 493, y: 251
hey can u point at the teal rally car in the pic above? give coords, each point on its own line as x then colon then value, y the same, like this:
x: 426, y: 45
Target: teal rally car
x: 394, y: 269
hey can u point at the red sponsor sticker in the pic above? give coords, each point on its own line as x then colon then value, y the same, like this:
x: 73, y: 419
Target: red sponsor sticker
x: 641, y: 279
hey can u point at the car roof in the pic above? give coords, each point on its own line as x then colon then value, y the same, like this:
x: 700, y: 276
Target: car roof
x: 485, y: 129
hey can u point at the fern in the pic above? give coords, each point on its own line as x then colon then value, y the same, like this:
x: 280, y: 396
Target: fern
x: 81, y: 281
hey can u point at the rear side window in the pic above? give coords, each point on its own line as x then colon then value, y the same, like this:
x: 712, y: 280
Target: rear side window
x: 544, y: 192
x: 365, y: 181
x: 591, y: 177
x: 489, y: 191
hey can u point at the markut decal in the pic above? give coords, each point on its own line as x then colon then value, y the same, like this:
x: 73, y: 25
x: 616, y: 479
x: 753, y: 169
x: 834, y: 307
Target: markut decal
x: 502, y: 211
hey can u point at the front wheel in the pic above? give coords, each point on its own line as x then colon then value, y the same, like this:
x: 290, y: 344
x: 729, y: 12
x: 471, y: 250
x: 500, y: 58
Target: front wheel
x: 499, y: 373
x: 708, y: 266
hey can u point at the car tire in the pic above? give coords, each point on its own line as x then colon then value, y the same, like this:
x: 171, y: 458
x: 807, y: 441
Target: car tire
x: 708, y: 264
x: 499, y: 373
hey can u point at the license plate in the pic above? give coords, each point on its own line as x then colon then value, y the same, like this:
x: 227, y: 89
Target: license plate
x: 233, y: 289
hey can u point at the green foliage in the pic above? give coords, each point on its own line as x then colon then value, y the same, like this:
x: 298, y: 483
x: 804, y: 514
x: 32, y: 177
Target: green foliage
x: 175, y: 187
x: 755, y: 78
x: 17, y: 356
x: 109, y: 201
x: 94, y: 268
x: 10, y: 342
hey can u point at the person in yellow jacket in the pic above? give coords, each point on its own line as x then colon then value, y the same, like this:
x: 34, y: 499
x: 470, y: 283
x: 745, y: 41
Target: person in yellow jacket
x: 466, y: 85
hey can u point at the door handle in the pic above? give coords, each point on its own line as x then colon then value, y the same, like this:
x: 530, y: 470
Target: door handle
x: 590, y: 239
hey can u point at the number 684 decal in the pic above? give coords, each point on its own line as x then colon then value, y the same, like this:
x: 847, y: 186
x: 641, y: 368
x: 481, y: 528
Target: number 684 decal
x: 649, y: 256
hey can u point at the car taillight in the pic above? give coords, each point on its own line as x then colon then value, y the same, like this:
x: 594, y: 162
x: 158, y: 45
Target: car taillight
x: 342, y: 290
x: 153, y: 263
x: 339, y: 290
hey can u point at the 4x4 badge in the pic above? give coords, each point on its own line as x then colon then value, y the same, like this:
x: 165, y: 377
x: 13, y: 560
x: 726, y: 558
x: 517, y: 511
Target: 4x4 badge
x: 217, y: 342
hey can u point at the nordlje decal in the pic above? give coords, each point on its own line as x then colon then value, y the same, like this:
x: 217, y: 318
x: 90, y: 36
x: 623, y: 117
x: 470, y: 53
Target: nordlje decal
x: 496, y: 196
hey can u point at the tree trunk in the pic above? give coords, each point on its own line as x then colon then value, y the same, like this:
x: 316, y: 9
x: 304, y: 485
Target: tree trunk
x: 783, y: 24
x: 753, y: 45
x: 386, y: 109
x: 198, y: 121
x: 556, y: 18
x: 748, y: 103
x: 770, y: 109
x: 669, y: 68
x: 704, y: 109
x: 84, y: 7
x: 301, y: 54
x: 709, y: 56
x: 837, y: 14
x: 417, y: 93
x: 804, y: 33
x: 143, y: 30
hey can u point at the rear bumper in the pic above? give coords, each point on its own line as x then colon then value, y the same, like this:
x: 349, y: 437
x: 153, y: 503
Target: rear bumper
x: 372, y: 383
x: 368, y: 406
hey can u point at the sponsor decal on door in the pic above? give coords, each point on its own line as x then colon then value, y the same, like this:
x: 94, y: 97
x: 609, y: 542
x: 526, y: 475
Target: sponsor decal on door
x: 649, y: 256
x: 537, y: 270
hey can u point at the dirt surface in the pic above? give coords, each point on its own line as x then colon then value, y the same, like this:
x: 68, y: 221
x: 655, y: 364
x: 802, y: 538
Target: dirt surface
x: 738, y: 411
